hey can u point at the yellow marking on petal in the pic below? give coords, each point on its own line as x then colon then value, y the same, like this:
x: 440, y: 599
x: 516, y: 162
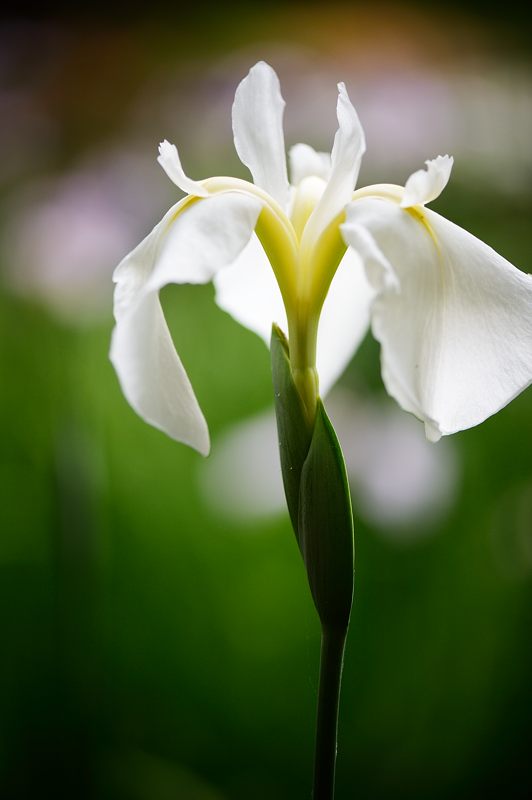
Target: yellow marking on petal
x: 394, y: 194
x: 323, y: 261
x: 317, y: 267
x: 381, y: 191
x: 183, y: 205
x: 275, y: 231
x: 273, y: 228
x: 417, y: 212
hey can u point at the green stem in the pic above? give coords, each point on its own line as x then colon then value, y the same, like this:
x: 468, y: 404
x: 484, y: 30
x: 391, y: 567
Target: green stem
x: 331, y: 662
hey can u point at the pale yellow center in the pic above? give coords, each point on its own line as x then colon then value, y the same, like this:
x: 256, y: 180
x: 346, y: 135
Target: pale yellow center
x: 303, y: 260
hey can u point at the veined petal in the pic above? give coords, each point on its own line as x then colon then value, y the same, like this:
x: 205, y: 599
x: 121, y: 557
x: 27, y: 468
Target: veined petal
x: 348, y: 148
x: 426, y: 185
x: 305, y: 162
x: 169, y: 160
x: 248, y: 291
x: 258, y: 130
x: 205, y: 238
x: 344, y: 320
x: 456, y: 338
x: 186, y: 247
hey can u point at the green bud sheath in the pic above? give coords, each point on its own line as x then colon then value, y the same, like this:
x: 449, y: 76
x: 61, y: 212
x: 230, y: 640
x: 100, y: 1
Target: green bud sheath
x: 295, y: 435
x: 317, y: 493
x: 326, y: 526
x: 319, y: 503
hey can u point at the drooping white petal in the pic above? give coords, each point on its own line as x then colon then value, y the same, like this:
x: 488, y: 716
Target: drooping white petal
x: 348, y: 148
x: 248, y: 291
x: 457, y: 337
x: 305, y: 162
x: 258, y: 130
x: 189, y: 248
x: 169, y: 160
x: 426, y: 185
x: 344, y: 320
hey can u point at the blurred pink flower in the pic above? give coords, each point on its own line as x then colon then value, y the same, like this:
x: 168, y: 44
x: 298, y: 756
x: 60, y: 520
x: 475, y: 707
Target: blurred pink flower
x: 63, y: 235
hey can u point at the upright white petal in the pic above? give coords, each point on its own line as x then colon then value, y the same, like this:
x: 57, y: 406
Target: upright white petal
x: 344, y: 320
x: 426, y: 185
x: 348, y: 148
x: 305, y: 162
x: 189, y: 248
x: 457, y: 337
x: 258, y: 130
x: 169, y: 160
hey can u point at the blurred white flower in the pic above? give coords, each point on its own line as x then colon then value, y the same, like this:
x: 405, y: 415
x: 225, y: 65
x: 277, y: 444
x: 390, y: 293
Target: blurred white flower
x: 399, y: 481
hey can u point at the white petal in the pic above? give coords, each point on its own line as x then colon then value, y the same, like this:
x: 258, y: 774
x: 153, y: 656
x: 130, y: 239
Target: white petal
x: 426, y: 185
x: 344, y: 320
x: 204, y: 238
x: 258, y: 130
x: 207, y: 237
x: 379, y: 271
x: 348, y: 148
x: 248, y: 291
x: 305, y: 162
x: 169, y: 160
x: 457, y: 337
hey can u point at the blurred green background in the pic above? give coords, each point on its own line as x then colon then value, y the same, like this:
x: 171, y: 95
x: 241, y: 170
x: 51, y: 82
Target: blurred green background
x: 156, y: 642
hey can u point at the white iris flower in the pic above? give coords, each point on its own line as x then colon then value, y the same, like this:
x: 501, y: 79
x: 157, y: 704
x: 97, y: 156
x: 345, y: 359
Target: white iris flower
x: 453, y: 318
